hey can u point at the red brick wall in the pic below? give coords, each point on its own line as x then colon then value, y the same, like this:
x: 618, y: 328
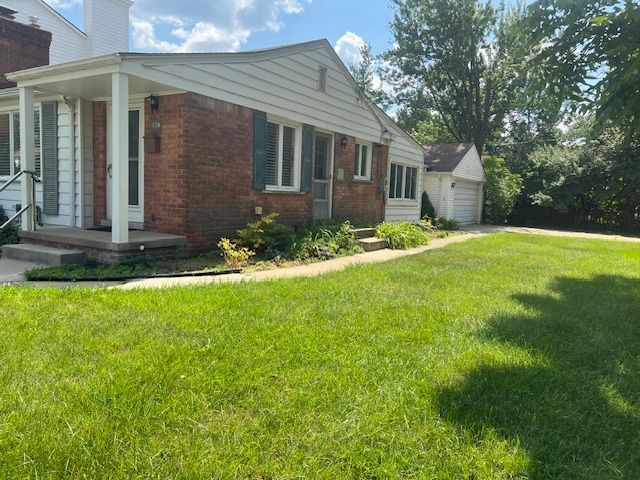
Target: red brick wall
x: 21, y: 47
x: 358, y: 200
x: 218, y: 140
x: 200, y: 182
x: 167, y: 171
x: 99, y: 162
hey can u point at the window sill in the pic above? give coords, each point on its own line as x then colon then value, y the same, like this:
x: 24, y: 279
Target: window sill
x: 283, y: 191
x: 403, y: 200
x: 362, y: 180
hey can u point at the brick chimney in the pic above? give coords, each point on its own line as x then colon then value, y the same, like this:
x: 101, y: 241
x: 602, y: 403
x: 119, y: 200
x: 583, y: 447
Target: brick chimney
x: 21, y: 46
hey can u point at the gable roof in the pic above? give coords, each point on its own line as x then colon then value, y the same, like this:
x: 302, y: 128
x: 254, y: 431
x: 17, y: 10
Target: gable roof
x: 445, y: 157
x: 61, y: 17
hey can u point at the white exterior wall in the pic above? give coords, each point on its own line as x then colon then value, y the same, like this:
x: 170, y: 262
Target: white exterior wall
x: 11, y: 196
x: 438, y: 187
x: 402, y: 151
x: 106, y: 23
x: 108, y: 20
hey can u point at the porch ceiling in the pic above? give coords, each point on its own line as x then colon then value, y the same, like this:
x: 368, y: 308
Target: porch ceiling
x: 99, y: 87
x: 89, y: 78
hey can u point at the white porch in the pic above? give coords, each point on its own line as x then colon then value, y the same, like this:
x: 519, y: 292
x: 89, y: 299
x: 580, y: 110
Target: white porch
x: 99, y: 79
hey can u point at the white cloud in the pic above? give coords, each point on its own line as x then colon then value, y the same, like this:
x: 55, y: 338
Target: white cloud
x: 348, y: 47
x: 64, y: 3
x: 210, y: 25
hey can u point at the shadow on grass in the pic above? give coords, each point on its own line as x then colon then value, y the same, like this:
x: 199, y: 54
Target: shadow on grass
x: 577, y: 413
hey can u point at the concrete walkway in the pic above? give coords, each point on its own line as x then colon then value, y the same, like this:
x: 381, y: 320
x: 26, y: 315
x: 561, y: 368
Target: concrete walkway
x: 309, y: 270
x: 12, y: 270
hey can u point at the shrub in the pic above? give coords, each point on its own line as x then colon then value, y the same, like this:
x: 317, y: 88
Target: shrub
x: 401, y: 235
x: 234, y: 256
x: 326, y: 241
x: 440, y: 223
x: 9, y: 234
x: 501, y: 190
x: 267, y: 236
x: 426, y: 207
x: 449, y: 224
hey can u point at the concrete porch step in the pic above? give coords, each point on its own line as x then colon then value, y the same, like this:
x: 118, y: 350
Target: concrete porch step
x: 371, y: 244
x: 43, y: 255
x: 364, y: 232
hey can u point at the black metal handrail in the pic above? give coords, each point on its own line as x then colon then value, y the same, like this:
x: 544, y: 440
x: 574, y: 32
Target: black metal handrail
x: 34, y: 179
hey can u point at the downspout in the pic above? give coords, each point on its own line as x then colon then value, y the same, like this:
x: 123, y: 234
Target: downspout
x: 72, y: 155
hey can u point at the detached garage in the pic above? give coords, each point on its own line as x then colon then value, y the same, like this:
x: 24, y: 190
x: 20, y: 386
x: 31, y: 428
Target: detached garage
x: 454, y: 181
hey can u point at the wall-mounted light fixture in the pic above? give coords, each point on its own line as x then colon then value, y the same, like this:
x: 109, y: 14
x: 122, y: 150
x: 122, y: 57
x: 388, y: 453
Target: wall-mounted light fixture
x: 343, y: 142
x: 453, y: 184
x: 154, y: 103
x: 386, y: 137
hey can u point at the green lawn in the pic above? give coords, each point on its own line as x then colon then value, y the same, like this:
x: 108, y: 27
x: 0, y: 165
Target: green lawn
x: 505, y: 357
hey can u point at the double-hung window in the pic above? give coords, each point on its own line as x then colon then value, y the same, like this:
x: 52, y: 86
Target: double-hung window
x: 403, y: 182
x: 282, y: 167
x: 10, y: 142
x: 362, y: 164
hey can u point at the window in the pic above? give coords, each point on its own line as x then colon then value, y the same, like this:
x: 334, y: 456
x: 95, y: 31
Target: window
x: 362, y: 164
x: 10, y: 142
x: 403, y: 182
x: 282, y: 156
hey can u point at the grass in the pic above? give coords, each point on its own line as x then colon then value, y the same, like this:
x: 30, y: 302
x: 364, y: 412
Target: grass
x: 505, y: 357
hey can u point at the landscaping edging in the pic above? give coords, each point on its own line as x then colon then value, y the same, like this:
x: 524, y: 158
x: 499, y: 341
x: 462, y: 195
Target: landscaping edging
x: 308, y: 270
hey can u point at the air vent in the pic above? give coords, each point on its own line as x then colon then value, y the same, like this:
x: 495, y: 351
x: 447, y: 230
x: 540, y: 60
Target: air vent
x: 322, y: 78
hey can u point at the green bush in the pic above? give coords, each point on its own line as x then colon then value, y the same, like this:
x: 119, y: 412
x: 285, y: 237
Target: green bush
x: 501, y: 190
x: 326, y: 241
x: 401, y: 235
x: 448, y: 224
x: 426, y: 207
x: 267, y: 236
x: 9, y: 234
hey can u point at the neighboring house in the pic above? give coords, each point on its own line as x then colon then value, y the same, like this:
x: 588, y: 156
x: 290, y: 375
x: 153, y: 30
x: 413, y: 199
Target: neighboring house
x: 454, y: 181
x: 106, y: 27
x: 194, y: 146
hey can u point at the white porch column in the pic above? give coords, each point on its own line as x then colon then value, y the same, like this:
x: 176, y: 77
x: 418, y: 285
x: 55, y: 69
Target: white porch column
x: 120, y: 158
x: 27, y: 152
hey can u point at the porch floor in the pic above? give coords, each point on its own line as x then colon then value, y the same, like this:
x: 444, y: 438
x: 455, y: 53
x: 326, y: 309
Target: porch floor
x: 79, y: 237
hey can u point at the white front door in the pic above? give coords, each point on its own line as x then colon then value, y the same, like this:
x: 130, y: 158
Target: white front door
x: 136, y: 165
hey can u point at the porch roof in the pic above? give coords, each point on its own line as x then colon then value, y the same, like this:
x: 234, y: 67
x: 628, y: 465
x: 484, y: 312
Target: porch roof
x: 88, y: 78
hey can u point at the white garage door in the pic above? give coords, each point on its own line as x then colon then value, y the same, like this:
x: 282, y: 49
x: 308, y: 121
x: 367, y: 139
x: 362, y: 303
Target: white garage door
x: 465, y: 202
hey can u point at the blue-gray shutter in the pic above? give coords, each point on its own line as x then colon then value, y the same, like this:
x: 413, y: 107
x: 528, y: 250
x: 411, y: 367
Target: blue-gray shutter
x: 49, y: 152
x: 307, y: 158
x: 259, y: 150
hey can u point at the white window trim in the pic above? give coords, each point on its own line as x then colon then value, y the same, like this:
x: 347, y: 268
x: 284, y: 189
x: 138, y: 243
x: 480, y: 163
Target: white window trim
x: 297, y: 155
x: 403, y: 199
x: 12, y: 161
x: 369, y: 146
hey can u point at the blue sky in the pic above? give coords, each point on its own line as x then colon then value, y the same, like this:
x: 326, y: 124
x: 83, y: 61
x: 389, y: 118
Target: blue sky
x: 226, y: 25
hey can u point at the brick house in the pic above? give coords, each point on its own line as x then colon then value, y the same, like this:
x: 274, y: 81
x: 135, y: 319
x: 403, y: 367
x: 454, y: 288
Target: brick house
x: 175, y: 148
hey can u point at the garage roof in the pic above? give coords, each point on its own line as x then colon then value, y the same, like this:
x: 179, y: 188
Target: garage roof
x: 445, y: 157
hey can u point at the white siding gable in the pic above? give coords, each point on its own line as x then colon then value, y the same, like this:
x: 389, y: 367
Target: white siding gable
x: 470, y: 167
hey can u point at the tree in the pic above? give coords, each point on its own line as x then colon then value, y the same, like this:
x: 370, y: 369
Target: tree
x: 432, y: 130
x: 363, y: 73
x: 500, y: 191
x: 452, y: 59
x: 591, y: 52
